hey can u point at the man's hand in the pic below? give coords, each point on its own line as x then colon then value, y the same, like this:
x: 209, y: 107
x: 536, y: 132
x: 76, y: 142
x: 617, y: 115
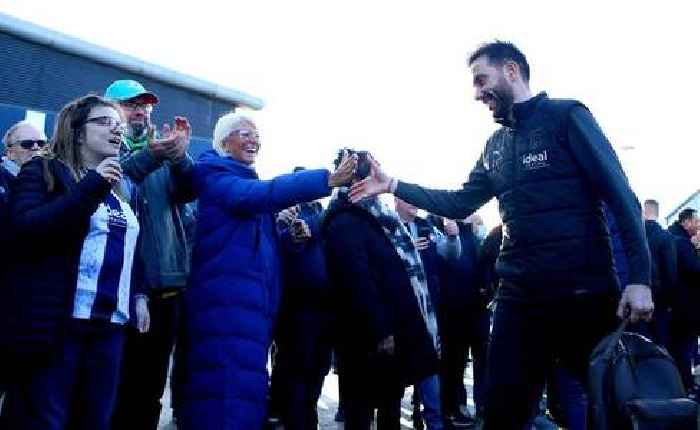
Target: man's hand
x: 345, y: 171
x: 182, y: 132
x: 636, y: 302
x: 143, y: 316
x: 300, y: 231
x: 421, y: 243
x: 386, y: 346
x: 376, y: 183
x: 451, y: 227
x: 173, y: 142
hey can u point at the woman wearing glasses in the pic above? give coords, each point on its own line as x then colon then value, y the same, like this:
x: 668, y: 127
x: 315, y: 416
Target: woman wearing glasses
x: 67, y: 302
x: 233, y: 297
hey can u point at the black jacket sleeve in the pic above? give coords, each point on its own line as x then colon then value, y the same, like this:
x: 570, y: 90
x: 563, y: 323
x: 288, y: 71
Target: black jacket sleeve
x: 36, y: 213
x: 602, y: 168
x: 668, y: 262
x: 348, y: 259
x: 451, y: 204
x: 688, y: 259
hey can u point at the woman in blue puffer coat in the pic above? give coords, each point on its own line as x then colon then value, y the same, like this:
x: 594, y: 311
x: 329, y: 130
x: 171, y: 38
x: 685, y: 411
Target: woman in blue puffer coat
x: 233, y: 297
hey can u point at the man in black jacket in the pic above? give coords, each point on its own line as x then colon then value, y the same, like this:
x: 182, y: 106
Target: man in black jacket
x: 664, y: 273
x: 551, y: 167
x: 685, y: 322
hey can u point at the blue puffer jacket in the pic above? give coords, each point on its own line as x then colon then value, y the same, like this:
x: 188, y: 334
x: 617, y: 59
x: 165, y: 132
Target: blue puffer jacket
x: 232, y: 301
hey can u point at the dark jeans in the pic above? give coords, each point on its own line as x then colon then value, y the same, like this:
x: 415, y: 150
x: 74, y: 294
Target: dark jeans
x: 462, y: 331
x: 359, y: 407
x: 528, y: 339
x: 75, y: 388
x: 683, y: 346
x: 567, y: 399
x: 301, y: 363
x: 145, y: 367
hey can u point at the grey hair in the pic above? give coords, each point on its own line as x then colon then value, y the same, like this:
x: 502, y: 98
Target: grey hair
x: 9, y: 135
x: 224, y: 127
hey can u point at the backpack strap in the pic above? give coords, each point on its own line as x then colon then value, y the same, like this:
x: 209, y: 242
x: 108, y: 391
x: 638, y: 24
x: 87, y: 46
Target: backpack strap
x: 617, y: 334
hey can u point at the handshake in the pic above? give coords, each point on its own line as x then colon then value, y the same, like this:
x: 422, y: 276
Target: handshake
x: 298, y: 228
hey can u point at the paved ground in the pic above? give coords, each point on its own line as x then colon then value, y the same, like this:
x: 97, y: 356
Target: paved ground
x: 327, y: 406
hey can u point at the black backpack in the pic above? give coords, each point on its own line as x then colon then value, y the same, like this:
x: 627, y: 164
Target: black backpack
x: 634, y: 384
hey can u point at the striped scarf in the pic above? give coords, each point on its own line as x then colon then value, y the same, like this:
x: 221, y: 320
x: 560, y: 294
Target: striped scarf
x: 401, y: 240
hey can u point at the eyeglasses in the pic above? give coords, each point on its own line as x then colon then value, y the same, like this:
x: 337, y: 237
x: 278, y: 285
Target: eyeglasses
x: 246, y: 134
x: 107, y: 121
x: 29, y: 143
x: 137, y: 105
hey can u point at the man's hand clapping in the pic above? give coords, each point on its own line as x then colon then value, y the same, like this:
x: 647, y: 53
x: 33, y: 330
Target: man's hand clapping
x: 174, y: 141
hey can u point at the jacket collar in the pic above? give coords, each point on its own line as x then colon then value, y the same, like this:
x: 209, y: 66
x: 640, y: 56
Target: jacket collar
x: 212, y: 160
x: 678, y: 230
x: 523, y: 111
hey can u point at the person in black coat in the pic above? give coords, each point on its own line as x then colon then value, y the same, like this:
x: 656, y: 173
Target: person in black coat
x: 464, y: 326
x: 383, y: 336
x: 664, y: 273
x: 686, y: 298
x: 303, y: 332
x: 65, y: 307
x: 6, y: 179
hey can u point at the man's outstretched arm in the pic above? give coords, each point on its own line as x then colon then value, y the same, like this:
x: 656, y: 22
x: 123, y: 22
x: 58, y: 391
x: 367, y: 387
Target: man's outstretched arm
x: 456, y: 204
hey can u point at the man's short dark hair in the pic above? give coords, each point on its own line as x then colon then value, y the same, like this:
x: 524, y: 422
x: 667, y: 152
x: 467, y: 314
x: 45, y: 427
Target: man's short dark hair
x: 499, y: 52
x: 686, y: 214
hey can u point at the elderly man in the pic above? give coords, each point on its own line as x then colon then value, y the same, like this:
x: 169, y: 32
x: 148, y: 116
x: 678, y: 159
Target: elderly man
x: 22, y: 142
x: 163, y: 171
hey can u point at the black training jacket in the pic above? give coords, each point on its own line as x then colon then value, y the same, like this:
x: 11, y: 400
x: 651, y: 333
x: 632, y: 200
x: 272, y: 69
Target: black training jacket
x: 550, y: 170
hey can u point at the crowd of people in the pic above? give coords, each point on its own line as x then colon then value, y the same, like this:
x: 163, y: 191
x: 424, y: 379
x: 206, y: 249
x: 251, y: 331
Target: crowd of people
x: 126, y: 252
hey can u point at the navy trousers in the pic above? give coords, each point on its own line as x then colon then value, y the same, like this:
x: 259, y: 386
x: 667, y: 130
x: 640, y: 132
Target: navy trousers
x: 302, y: 361
x: 75, y: 387
x: 528, y: 339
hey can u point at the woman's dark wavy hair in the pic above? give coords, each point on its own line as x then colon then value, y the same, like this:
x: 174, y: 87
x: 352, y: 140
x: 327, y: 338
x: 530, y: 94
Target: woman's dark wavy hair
x: 65, y: 142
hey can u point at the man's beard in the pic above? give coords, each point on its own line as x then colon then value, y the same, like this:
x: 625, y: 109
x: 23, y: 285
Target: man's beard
x: 137, y: 130
x: 502, y: 95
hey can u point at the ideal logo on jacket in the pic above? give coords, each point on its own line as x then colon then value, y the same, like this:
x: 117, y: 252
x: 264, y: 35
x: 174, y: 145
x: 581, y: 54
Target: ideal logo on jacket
x: 535, y: 160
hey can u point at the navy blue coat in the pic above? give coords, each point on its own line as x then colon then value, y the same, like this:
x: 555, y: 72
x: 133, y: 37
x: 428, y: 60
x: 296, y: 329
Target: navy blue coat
x: 305, y: 273
x: 233, y: 298
x: 37, y: 299
x: 686, y: 296
x: 6, y: 179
